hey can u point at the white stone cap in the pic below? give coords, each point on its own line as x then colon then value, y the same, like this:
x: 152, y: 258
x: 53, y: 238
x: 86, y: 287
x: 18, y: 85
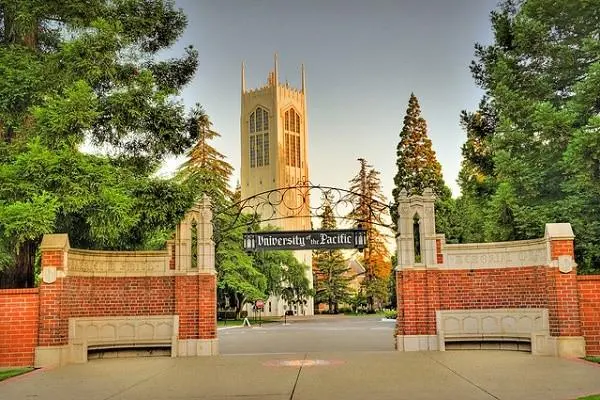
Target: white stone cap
x: 55, y: 241
x: 561, y: 230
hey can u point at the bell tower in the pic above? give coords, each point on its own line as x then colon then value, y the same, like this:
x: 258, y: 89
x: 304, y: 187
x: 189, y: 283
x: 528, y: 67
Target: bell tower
x: 274, y: 140
x: 274, y: 143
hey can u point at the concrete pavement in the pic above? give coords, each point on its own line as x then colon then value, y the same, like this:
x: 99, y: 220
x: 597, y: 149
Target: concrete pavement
x: 341, y: 375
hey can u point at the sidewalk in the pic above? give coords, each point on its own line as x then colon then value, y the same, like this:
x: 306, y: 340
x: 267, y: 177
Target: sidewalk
x: 341, y: 376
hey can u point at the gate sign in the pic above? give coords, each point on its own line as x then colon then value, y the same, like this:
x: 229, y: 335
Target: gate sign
x: 306, y: 240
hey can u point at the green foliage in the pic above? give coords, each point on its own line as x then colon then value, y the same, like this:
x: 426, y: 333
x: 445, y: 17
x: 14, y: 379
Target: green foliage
x: 206, y: 171
x: 532, y: 153
x: 418, y: 169
x: 417, y: 165
x: 78, y: 73
x: 330, y: 270
x: 368, y: 208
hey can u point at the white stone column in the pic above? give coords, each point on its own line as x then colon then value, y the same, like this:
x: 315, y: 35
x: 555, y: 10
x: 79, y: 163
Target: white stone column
x: 424, y: 207
x: 206, y: 245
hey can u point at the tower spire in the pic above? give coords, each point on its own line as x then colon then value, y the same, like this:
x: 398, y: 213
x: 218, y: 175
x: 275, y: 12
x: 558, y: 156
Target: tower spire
x: 276, y: 61
x: 303, y: 79
x: 243, y: 77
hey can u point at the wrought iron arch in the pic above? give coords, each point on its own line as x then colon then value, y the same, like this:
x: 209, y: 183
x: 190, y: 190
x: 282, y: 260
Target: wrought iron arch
x: 294, y: 202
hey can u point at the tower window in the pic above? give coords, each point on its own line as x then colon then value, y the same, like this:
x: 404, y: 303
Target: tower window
x: 292, y: 138
x: 259, y: 138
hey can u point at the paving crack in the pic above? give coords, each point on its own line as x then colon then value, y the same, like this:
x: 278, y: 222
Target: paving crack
x: 464, y: 378
x: 298, y: 377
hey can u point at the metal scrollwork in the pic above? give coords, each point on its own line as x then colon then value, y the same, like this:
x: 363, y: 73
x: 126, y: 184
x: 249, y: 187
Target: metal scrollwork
x: 295, y: 202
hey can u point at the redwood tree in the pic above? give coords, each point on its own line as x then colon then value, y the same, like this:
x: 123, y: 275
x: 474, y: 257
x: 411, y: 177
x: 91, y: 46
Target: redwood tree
x: 330, y: 269
x: 370, y: 210
x: 418, y: 168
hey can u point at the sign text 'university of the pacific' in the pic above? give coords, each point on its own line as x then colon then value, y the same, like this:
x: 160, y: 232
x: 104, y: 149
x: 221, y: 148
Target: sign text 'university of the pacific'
x: 306, y: 240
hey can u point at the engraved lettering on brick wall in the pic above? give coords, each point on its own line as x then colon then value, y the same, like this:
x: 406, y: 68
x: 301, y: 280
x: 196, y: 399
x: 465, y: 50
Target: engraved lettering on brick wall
x: 537, y: 255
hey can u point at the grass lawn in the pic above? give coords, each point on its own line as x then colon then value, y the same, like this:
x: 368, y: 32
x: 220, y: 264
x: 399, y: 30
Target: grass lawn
x: 9, y: 373
x: 595, y: 359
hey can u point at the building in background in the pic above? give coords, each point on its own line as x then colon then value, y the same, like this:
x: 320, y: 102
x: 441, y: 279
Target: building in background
x: 274, y: 143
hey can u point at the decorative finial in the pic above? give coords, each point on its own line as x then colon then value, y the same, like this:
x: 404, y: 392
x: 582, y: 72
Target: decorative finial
x: 243, y: 77
x: 276, y: 60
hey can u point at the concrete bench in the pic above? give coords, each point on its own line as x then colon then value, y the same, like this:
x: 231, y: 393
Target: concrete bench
x: 525, y: 329
x: 113, y: 333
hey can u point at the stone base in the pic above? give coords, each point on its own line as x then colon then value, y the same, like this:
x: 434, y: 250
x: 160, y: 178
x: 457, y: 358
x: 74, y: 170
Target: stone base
x: 52, y: 356
x: 417, y: 343
x: 196, y: 347
x: 568, y: 346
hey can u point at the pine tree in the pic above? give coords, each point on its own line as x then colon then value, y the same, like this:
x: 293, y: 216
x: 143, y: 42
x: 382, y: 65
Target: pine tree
x: 330, y: 269
x: 206, y: 171
x: 477, y: 176
x: 542, y: 74
x: 417, y: 164
x: 418, y: 168
x: 370, y: 210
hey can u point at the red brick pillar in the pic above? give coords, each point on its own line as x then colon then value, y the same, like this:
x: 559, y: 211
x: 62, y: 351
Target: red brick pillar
x: 196, y: 306
x: 208, y: 306
x: 53, y: 333
x: 196, y: 283
x: 563, y: 296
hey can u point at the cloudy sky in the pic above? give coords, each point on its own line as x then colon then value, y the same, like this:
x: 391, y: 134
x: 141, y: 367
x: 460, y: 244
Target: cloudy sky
x: 362, y: 58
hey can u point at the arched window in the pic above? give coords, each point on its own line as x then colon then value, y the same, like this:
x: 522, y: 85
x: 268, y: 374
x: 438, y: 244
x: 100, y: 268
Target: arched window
x: 194, y: 243
x: 292, y: 138
x: 417, y: 237
x: 259, y: 137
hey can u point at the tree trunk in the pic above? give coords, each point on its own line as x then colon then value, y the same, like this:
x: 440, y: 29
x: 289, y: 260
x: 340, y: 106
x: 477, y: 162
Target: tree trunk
x: 22, y: 273
x: 239, y: 303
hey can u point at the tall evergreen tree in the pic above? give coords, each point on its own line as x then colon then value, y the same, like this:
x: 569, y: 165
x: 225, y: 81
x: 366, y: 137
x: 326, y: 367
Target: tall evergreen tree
x: 87, y: 72
x: 477, y: 176
x: 418, y: 168
x: 330, y: 269
x: 206, y: 171
x: 371, y: 210
x: 542, y: 74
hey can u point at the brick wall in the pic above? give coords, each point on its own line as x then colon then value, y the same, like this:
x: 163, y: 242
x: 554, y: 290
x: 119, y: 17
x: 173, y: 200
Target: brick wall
x: 115, y: 296
x: 186, y: 306
x: 589, y: 303
x: 19, y: 315
x: 422, y: 292
x: 208, y: 307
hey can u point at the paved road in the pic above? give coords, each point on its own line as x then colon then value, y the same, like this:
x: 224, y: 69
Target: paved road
x: 293, y: 366
x: 322, y: 333
x: 464, y: 375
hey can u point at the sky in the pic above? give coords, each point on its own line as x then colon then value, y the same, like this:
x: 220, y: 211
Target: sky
x: 362, y: 59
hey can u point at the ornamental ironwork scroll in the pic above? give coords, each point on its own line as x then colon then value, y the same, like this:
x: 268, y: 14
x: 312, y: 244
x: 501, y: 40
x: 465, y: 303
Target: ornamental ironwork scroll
x: 295, y: 202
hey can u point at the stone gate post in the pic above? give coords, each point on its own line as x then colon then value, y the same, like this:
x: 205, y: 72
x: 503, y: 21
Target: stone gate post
x: 417, y: 280
x: 196, y: 283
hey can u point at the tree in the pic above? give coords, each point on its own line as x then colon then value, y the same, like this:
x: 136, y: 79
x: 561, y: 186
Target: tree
x: 206, y: 171
x: 418, y: 168
x: 370, y: 210
x: 286, y: 276
x: 330, y: 269
x: 237, y: 276
x: 477, y: 176
x: 87, y: 72
x: 542, y: 74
